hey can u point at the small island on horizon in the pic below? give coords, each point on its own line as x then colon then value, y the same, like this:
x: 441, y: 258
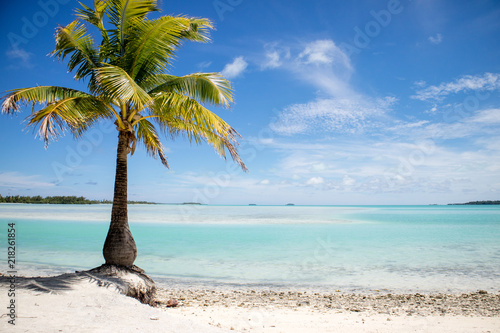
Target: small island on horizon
x: 486, y: 202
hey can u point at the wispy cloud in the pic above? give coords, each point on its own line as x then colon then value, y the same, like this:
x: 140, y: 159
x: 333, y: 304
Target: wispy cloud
x: 390, y: 166
x: 478, y: 124
x: 204, y: 64
x: 235, y: 69
x: 320, y: 63
x: 485, y: 82
x: 489, y: 116
x: 339, y: 115
x: 436, y: 39
x: 20, y: 181
x: 275, y: 56
x: 22, y: 56
x: 324, y: 65
x: 324, y: 52
x: 315, y: 181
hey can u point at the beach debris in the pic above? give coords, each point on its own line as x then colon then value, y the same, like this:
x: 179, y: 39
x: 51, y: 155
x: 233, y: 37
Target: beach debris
x: 172, y: 303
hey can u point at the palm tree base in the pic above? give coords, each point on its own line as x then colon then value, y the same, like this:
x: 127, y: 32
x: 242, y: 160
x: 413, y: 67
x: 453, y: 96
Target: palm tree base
x: 130, y: 280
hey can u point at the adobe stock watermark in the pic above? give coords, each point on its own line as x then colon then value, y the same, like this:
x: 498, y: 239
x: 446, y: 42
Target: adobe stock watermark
x: 364, y: 35
x: 417, y: 156
x: 312, y: 266
x: 84, y: 147
x: 223, y: 6
x: 31, y: 25
x: 407, y: 165
x: 470, y: 104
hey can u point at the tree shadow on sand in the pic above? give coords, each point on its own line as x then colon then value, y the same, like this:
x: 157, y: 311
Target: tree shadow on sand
x: 128, y: 281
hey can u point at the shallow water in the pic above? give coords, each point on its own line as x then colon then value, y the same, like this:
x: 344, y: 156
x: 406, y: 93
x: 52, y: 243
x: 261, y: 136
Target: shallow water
x: 351, y: 248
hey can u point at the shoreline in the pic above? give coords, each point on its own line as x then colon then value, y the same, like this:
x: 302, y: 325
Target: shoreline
x: 194, y: 283
x: 479, y: 304
x: 76, y: 303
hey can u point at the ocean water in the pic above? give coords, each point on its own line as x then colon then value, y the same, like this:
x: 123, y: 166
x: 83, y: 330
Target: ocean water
x: 346, y: 248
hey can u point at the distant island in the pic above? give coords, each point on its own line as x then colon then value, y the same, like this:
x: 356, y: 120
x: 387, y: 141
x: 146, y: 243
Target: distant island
x: 487, y: 202
x: 70, y: 200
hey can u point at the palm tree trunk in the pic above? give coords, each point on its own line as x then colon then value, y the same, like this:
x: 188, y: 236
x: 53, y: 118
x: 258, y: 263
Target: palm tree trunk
x: 119, y: 247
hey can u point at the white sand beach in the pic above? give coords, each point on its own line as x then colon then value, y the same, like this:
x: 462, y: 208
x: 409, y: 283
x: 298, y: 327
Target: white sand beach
x: 76, y: 303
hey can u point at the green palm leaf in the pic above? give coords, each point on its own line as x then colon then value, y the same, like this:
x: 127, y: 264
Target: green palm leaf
x: 154, y: 42
x: 41, y: 94
x: 123, y: 15
x: 146, y: 134
x: 75, y: 40
x: 210, y: 88
x: 93, y: 16
x: 65, y: 109
x: 178, y: 114
x: 115, y: 84
x: 70, y: 113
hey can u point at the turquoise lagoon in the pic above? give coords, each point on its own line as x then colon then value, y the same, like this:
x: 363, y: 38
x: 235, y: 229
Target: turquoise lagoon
x: 347, y: 248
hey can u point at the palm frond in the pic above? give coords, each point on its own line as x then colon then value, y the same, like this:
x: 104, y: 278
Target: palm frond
x: 181, y: 114
x: 41, y: 94
x: 123, y: 14
x: 74, y: 39
x: 198, y: 30
x: 146, y: 134
x: 210, y: 88
x: 76, y: 114
x: 153, y: 45
x: 115, y: 84
x: 154, y: 42
x: 93, y: 16
x: 64, y: 108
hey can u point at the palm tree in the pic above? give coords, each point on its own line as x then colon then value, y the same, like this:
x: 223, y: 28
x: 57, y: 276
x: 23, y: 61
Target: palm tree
x: 129, y: 84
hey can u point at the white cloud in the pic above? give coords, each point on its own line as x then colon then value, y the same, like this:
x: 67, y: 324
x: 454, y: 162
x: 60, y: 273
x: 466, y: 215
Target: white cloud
x: 319, y: 167
x: 275, y: 56
x: 264, y: 182
x: 485, y: 82
x: 348, y: 181
x: 315, y: 181
x: 420, y: 83
x: 338, y: 115
x: 324, y: 52
x: 320, y: 63
x: 272, y: 60
x: 204, y: 64
x: 22, y: 55
x: 437, y: 39
x: 323, y: 64
x: 392, y: 165
x: 480, y: 123
x: 17, y: 180
x: 235, y: 69
x: 490, y: 116
x: 404, y: 126
x: 265, y: 141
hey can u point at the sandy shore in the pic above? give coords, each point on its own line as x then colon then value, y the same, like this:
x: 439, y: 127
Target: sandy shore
x: 71, y: 303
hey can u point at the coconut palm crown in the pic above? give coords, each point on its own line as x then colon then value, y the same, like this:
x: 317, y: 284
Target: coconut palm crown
x: 129, y: 83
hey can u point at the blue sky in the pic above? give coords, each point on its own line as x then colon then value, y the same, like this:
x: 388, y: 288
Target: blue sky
x: 337, y: 102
